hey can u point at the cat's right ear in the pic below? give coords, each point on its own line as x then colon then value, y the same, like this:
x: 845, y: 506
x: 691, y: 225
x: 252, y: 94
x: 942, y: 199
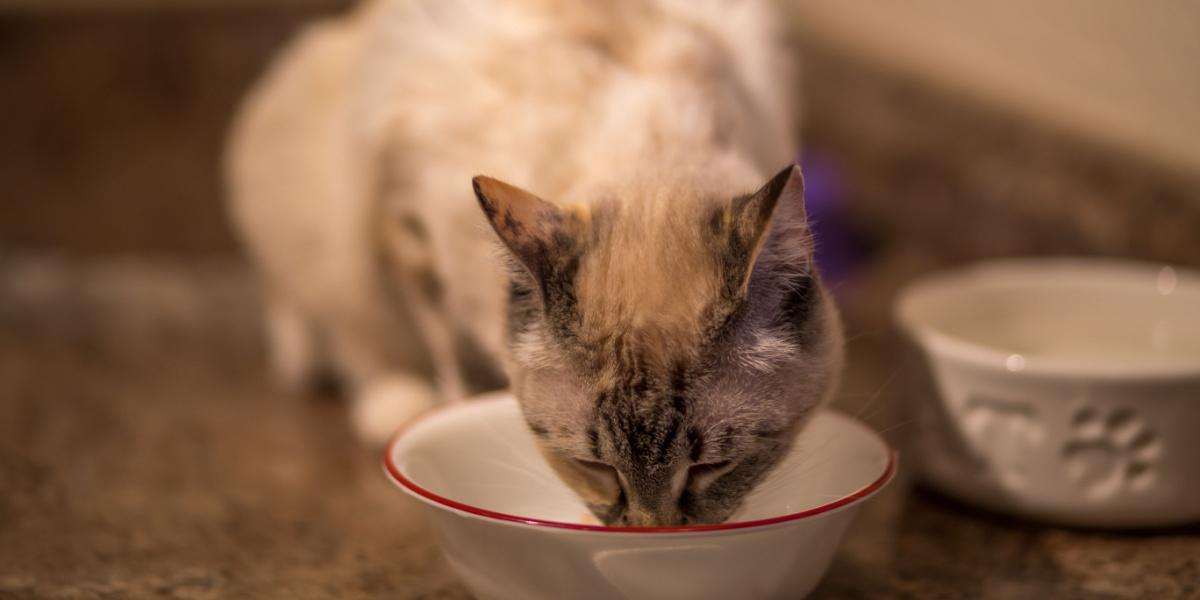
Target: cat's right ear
x: 532, y: 228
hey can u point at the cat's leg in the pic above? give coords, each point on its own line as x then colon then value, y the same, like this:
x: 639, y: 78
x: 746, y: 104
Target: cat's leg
x: 387, y: 392
x: 292, y: 345
x: 388, y: 395
x: 302, y: 200
x: 438, y: 332
x: 386, y: 368
x: 416, y: 282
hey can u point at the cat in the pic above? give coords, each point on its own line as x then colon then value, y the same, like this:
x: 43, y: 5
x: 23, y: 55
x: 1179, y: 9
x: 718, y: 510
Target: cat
x: 581, y: 200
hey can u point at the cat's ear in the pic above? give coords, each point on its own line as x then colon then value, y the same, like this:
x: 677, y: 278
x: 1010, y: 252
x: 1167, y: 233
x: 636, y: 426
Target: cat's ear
x: 748, y: 221
x: 532, y: 228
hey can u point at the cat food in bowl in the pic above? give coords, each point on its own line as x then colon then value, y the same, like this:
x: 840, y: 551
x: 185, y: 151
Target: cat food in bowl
x: 511, y: 529
x: 1067, y: 390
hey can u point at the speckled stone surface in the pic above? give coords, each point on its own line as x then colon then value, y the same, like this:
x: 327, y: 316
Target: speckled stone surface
x: 143, y: 454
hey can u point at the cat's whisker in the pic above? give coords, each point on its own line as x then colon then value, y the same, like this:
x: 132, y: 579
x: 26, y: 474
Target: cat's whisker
x: 509, y: 444
x: 886, y: 382
x: 873, y: 413
x: 864, y: 334
x: 904, y: 423
x: 794, y: 474
x: 831, y: 496
x: 532, y: 472
x: 758, y: 438
x: 791, y: 471
x: 501, y: 486
x: 807, y: 466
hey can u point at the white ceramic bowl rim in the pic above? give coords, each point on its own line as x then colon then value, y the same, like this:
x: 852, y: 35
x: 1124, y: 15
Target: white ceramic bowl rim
x: 393, y: 472
x: 1060, y: 272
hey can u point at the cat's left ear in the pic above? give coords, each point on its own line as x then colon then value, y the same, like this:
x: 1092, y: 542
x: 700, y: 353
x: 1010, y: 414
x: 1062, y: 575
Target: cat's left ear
x: 778, y: 206
x: 532, y: 228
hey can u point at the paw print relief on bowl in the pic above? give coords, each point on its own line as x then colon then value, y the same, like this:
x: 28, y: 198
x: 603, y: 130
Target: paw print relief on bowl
x: 1004, y: 430
x: 1110, y: 453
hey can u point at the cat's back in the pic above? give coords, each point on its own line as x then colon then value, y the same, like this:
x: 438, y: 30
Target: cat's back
x: 536, y: 90
x: 528, y: 90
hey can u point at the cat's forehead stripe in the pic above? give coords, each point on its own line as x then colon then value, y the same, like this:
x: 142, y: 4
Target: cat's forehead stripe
x: 643, y: 436
x: 593, y: 441
x: 695, y: 443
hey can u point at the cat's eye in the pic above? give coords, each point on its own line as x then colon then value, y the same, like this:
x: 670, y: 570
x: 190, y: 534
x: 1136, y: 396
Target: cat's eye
x: 604, y: 476
x: 702, y: 475
x: 592, y: 465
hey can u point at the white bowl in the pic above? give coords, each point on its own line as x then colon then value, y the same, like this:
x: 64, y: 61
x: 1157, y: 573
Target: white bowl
x: 1066, y: 390
x: 511, y: 529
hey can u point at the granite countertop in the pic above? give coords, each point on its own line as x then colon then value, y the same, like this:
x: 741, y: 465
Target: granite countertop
x: 144, y: 453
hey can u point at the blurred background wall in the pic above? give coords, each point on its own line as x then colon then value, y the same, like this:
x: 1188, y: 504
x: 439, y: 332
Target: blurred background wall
x: 941, y: 130
x: 114, y: 114
x: 965, y: 130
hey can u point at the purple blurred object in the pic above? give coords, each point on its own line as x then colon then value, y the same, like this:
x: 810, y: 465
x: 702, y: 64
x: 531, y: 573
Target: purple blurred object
x: 825, y: 203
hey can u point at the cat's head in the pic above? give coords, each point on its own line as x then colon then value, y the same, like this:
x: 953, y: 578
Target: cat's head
x: 665, y: 349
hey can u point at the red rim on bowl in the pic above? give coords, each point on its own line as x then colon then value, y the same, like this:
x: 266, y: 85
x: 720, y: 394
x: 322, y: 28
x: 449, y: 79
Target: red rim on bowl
x: 399, y: 479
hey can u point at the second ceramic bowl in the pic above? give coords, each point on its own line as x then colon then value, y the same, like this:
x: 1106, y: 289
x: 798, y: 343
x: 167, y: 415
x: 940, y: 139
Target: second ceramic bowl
x: 1066, y: 390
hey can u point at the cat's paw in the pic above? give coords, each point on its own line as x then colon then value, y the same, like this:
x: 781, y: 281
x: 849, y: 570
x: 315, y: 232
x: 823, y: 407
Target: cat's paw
x: 387, y: 403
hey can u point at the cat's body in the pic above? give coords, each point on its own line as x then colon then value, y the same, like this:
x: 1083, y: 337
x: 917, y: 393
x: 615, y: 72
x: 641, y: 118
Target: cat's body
x: 643, y: 120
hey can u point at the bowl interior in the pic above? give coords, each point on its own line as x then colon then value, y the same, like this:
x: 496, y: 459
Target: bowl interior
x: 481, y: 454
x: 1102, y: 313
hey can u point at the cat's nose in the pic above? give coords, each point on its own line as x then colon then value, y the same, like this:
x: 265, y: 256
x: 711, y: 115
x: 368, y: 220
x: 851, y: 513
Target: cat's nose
x: 638, y: 516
